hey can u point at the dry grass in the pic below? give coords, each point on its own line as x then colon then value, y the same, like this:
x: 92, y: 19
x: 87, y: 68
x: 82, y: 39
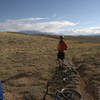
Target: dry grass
x: 27, y: 62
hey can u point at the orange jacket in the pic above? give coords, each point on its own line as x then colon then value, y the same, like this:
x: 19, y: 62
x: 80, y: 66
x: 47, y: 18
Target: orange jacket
x: 62, y: 46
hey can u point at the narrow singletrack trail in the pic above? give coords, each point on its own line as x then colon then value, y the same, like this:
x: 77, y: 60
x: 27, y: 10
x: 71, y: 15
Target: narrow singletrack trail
x: 66, y: 78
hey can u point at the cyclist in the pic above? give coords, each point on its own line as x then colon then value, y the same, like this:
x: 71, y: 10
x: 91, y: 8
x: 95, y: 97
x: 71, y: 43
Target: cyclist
x: 62, y: 46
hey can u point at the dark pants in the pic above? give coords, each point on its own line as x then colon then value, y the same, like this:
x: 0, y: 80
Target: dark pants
x: 60, y: 55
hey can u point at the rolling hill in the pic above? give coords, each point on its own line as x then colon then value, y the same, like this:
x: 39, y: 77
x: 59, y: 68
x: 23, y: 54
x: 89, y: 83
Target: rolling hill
x: 27, y: 62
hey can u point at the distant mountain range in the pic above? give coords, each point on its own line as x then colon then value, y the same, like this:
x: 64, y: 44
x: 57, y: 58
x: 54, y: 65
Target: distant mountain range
x: 94, y: 34
x: 39, y: 32
x: 35, y: 32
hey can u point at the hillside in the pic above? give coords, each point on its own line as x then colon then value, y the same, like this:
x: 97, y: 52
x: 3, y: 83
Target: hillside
x: 28, y: 61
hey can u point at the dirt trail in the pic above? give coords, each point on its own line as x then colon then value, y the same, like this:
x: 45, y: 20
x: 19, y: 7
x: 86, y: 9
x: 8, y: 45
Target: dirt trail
x: 81, y: 87
x: 72, y: 80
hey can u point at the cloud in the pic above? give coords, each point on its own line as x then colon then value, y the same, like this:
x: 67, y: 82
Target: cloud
x: 52, y: 26
x: 26, y: 19
x: 18, y: 22
x: 79, y: 31
x: 86, y: 31
x: 31, y: 24
x: 46, y: 26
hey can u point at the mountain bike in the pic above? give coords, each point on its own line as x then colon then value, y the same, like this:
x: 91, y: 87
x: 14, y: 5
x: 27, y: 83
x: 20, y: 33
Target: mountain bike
x: 63, y: 64
x: 64, y: 94
x: 53, y: 95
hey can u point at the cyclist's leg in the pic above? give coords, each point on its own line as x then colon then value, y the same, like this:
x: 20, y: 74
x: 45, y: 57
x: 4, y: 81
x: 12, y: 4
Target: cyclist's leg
x: 62, y: 56
x: 59, y: 59
x: 60, y: 62
x: 63, y: 59
x: 58, y: 56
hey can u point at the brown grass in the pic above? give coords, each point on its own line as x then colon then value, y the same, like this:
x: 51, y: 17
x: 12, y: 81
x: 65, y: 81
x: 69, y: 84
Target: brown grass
x: 27, y: 62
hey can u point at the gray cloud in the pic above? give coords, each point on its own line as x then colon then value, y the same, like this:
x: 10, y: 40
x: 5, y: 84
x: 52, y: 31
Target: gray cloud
x: 49, y: 26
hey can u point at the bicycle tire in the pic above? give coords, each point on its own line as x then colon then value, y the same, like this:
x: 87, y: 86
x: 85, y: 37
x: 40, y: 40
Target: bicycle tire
x: 74, y: 93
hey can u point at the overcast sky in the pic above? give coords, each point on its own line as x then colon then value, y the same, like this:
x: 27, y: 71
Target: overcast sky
x: 69, y: 17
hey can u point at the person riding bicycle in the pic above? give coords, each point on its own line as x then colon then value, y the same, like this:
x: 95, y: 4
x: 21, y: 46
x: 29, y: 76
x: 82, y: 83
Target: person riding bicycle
x: 62, y: 46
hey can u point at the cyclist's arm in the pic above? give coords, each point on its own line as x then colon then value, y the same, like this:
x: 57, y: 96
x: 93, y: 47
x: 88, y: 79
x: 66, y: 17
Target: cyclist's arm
x: 66, y: 46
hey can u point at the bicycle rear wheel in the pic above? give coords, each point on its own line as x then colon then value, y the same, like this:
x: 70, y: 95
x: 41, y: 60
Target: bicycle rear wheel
x: 69, y: 94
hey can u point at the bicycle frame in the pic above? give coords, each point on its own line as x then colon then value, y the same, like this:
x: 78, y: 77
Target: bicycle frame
x: 66, y: 94
x: 50, y: 94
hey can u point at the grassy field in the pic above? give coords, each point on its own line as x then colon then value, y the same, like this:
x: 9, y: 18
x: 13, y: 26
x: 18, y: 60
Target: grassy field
x: 28, y: 61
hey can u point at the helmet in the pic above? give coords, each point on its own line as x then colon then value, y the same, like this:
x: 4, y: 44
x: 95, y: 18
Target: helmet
x: 62, y: 37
